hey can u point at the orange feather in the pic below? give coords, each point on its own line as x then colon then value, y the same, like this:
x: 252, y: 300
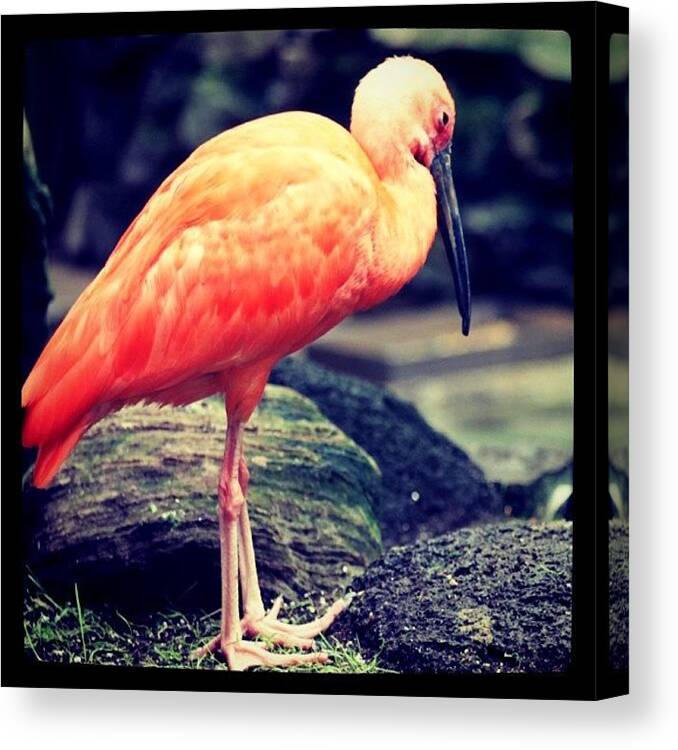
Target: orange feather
x: 219, y: 270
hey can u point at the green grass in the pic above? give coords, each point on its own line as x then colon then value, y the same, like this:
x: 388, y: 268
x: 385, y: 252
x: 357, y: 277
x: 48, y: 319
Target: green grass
x: 73, y: 633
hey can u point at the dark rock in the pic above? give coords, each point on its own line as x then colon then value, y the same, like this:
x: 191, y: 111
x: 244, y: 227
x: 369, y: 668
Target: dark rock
x: 547, y: 498
x: 550, y: 495
x: 619, y: 594
x: 131, y: 516
x: 495, y: 598
x: 430, y: 486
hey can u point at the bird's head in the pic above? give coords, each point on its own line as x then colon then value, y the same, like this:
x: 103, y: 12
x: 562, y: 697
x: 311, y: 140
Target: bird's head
x: 403, y: 116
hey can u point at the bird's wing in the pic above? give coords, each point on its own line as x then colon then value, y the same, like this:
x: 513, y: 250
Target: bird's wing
x: 242, y: 253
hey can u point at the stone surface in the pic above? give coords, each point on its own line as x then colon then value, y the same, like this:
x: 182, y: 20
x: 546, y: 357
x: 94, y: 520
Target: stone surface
x: 430, y: 486
x: 132, y: 515
x: 494, y: 598
x: 619, y: 594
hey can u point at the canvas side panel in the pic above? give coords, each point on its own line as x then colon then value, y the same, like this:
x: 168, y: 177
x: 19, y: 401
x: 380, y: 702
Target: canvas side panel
x: 618, y: 352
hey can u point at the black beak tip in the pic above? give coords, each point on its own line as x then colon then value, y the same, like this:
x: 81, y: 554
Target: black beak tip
x: 449, y: 225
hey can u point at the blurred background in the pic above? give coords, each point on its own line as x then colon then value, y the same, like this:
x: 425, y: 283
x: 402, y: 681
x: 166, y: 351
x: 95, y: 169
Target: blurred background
x: 111, y: 117
x: 618, y: 261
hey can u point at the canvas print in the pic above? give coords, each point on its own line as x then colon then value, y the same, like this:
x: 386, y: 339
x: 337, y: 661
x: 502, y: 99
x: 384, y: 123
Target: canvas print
x: 297, y: 351
x: 618, y: 352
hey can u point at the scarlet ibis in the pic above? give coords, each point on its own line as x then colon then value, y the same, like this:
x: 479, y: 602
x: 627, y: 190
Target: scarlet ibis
x: 266, y: 237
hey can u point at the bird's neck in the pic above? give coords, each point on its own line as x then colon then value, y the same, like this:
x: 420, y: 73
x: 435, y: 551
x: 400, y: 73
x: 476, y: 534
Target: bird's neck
x: 404, y: 231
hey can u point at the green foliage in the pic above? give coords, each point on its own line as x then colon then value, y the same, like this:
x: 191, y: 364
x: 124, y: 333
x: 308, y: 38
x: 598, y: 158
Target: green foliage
x: 70, y: 633
x: 545, y: 52
x: 344, y: 659
x: 619, y: 58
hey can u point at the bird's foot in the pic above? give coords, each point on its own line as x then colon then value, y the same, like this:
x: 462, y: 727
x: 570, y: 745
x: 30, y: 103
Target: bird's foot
x: 268, y: 627
x: 241, y: 655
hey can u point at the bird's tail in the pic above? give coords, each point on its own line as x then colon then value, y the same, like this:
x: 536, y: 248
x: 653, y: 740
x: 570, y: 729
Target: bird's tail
x: 52, y: 454
x: 59, y: 393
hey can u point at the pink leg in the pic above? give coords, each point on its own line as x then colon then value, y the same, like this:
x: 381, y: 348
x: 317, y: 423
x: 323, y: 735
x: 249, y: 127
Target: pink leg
x: 249, y: 580
x: 239, y: 654
x: 256, y: 621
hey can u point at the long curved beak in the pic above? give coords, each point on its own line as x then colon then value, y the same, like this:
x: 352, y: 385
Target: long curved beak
x: 449, y: 225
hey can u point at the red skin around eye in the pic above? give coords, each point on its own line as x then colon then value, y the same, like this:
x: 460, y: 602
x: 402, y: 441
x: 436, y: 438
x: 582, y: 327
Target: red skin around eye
x: 439, y: 137
x: 443, y: 131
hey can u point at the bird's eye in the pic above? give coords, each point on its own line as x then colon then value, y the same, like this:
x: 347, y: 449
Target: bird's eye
x: 444, y: 119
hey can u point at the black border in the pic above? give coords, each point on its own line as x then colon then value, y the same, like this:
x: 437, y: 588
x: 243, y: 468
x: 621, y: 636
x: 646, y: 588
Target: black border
x: 610, y: 681
x: 588, y: 677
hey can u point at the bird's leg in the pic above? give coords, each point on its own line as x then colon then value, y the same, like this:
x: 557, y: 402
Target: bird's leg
x: 253, y: 604
x: 239, y: 654
x: 256, y: 621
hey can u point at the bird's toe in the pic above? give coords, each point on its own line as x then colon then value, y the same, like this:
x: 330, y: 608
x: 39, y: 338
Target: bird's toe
x: 244, y: 655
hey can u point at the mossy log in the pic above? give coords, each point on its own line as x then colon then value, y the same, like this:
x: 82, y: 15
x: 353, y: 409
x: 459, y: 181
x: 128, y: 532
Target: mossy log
x: 131, y: 516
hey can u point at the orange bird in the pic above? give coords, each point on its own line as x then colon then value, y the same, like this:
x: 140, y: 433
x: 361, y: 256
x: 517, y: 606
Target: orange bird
x: 266, y: 237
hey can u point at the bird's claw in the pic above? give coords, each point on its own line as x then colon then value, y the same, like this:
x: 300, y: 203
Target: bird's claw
x: 285, y: 634
x: 242, y: 655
